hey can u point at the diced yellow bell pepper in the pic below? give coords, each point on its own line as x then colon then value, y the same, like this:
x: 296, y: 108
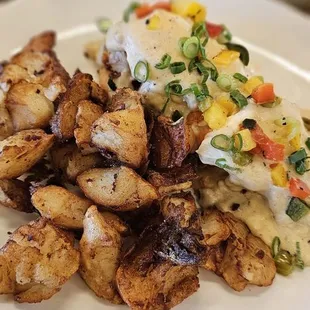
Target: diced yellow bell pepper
x: 248, y: 143
x: 225, y: 58
x: 279, y: 175
x: 250, y: 85
x: 154, y: 23
x: 296, y: 143
x: 228, y: 104
x: 215, y: 116
x: 188, y: 8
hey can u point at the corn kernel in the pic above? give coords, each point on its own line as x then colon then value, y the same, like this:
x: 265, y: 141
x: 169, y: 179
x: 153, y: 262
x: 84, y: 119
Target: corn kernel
x: 215, y: 116
x: 228, y: 104
x: 248, y: 143
x: 154, y: 23
x: 279, y: 175
x: 296, y: 143
x: 187, y: 8
x: 226, y: 57
x: 250, y: 85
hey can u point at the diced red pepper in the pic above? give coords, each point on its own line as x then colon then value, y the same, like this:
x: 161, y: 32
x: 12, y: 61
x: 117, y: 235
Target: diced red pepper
x: 146, y: 9
x: 271, y: 150
x: 299, y: 189
x: 264, y: 93
x: 214, y: 30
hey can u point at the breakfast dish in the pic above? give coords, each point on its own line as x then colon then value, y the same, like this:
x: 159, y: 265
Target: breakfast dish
x: 180, y: 158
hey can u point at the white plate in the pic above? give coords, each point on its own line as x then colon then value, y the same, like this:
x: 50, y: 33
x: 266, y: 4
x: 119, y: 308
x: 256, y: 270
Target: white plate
x: 278, y: 39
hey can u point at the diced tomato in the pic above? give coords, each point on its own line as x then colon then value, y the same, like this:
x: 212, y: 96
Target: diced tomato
x: 270, y: 149
x: 264, y: 93
x: 214, y: 30
x: 146, y: 9
x: 299, y: 189
x: 256, y: 151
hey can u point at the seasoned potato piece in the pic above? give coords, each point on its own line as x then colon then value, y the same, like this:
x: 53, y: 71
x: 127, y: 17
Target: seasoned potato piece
x: 87, y: 114
x: 6, y: 125
x: 70, y: 162
x: 14, y: 194
x: 118, y: 188
x: 125, y: 99
x: 36, y: 261
x: 98, y: 95
x: 20, y: 152
x: 62, y: 207
x: 43, y: 42
x: 100, y: 249
x: 170, y: 143
x: 11, y: 75
x: 28, y: 106
x: 147, y: 281
x: 123, y: 132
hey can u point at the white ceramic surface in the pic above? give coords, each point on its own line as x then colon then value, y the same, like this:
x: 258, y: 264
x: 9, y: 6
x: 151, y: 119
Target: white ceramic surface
x: 279, y: 42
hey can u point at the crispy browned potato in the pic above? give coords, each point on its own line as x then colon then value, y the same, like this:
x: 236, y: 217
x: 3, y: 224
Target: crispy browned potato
x: 14, y: 194
x: 123, y: 132
x: 68, y: 160
x: 28, y: 106
x: 147, y: 281
x: 118, y: 188
x: 21, y: 151
x: 170, y: 142
x: 98, y: 95
x: 87, y: 114
x: 36, y: 261
x: 100, y: 249
x: 6, y: 125
x: 62, y: 207
x: 11, y: 75
x: 43, y: 42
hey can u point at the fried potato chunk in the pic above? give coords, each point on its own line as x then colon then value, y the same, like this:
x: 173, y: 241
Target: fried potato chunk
x: 123, y: 132
x: 36, y: 261
x: 20, y: 152
x: 68, y: 160
x: 80, y: 88
x: 87, y: 114
x: 170, y: 142
x: 43, y: 42
x: 147, y: 281
x: 28, y: 106
x: 66, y: 211
x: 6, y: 125
x: 14, y: 194
x: 118, y: 188
x: 100, y: 249
x: 11, y: 75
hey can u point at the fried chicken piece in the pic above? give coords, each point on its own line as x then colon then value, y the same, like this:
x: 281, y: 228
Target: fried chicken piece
x: 118, y: 188
x: 14, y: 194
x: 36, y: 261
x: 66, y: 211
x: 123, y: 132
x: 100, y: 249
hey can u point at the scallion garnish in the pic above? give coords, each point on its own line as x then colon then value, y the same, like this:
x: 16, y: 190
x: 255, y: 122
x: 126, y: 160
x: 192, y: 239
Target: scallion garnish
x: 222, y: 163
x: 240, y: 77
x: 190, y: 47
x: 284, y: 263
x: 276, y: 246
x: 308, y: 143
x: 103, y: 24
x: 302, y: 167
x: 225, y: 36
x: 199, y: 29
x: 205, y: 104
x: 177, y: 67
x: 131, y: 8
x: 297, y: 156
x: 207, y: 66
x: 297, y: 209
x: 244, y: 54
x: 199, y: 94
x: 173, y: 87
x: 142, y: 71
x: 299, y: 262
x: 112, y: 85
x: 225, y: 82
x: 222, y: 142
x: 242, y: 158
x: 238, y: 98
x: 238, y: 142
x: 181, y: 42
x: 164, y: 62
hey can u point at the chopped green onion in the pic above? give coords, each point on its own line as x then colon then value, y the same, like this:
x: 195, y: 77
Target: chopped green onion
x: 242, y: 159
x: 249, y: 123
x: 240, y: 142
x: 205, y: 89
x: 181, y: 42
x: 163, y: 109
x: 103, y: 24
x: 205, y: 41
x: 191, y: 47
x: 297, y: 156
x: 205, y: 104
x: 176, y: 115
x: 276, y: 246
x: 240, y: 77
x: 112, y: 85
x: 277, y: 101
x: 225, y: 36
x: 238, y: 98
x: 142, y: 71
x: 200, y: 95
x: 164, y: 62
x: 222, y: 142
x: 192, y: 64
x: 208, y: 66
x: 202, y: 51
x: 308, y: 143
x: 297, y: 209
x: 131, y: 8
x: 199, y: 29
x: 221, y: 163
x: 299, y: 262
x: 284, y: 263
x: 177, y: 67
x: 225, y: 82
x: 173, y: 87
x: 302, y: 166
x: 244, y: 54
